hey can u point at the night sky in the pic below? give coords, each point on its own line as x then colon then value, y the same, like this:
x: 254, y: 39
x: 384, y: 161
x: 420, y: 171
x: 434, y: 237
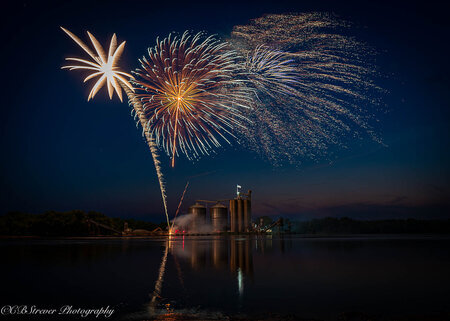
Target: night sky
x: 60, y: 152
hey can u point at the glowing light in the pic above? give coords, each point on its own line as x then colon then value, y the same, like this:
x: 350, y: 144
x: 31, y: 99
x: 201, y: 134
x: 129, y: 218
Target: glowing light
x: 191, y: 93
x: 139, y: 111
x: 179, y: 205
x: 104, y: 66
x: 158, y: 284
x: 272, y: 71
x: 313, y: 85
x: 240, y: 279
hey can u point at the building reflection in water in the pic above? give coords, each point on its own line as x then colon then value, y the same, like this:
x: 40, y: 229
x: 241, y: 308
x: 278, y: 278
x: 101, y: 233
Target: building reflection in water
x: 232, y: 253
x: 219, y: 252
x: 228, y: 254
x: 241, y: 256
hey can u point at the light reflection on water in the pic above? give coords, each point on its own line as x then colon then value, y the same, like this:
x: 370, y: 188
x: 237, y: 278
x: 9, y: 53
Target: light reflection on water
x: 213, y: 277
x: 231, y: 255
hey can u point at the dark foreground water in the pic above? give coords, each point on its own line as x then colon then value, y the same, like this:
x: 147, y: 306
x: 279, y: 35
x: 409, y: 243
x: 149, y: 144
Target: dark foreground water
x: 234, y: 278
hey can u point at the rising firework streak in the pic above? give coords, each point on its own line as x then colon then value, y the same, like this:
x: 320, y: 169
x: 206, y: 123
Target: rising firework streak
x: 105, y: 68
x: 179, y: 205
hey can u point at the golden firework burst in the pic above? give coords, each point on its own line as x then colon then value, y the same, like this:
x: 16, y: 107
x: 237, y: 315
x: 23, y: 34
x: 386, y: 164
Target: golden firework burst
x: 105, y: 67
x: 191, y: 93
x: 102, y: 65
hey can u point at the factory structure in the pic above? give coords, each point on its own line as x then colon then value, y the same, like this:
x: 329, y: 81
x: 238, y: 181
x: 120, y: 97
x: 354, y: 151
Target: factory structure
x: 236, y: 218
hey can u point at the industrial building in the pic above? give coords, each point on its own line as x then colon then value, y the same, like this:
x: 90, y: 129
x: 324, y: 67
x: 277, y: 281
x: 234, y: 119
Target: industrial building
x: 235, y: 219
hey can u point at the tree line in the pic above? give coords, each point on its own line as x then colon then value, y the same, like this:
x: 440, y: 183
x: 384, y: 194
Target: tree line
x: 71, y: 223
x: 345, y: 225
x: 76, y: 223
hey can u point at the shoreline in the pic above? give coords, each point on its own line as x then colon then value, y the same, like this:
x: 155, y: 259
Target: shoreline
x: 164, y: 236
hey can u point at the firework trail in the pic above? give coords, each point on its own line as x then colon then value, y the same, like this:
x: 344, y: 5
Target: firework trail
x: 179, y: 205
x: 312, y: 85
x: 105, y: 67
x: 191, y: 93
x: 139, y: 113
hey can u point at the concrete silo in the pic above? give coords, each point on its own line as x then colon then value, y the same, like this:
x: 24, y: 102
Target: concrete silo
x: 241, y: 213
x: 198, y: 213
x: 219, y: 217
x: 233, y: 216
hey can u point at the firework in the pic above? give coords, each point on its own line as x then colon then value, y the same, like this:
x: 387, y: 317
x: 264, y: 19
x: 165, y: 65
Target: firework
x: 105, y: 67
x: 271, y: 71
x: 179, y: 205
x: 136, y: 104
x: 313, y: 85
x: 191, y: 93
x: 102, y: 66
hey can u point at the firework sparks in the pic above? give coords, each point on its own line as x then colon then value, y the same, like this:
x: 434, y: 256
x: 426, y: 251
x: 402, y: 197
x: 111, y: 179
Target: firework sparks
x: 106, y: 68
x: 190, y: 93
x: 102, y: 65
x: 271, y: 71
x: 312, y: 85
x: 179, y: 205
x: 139, y: 114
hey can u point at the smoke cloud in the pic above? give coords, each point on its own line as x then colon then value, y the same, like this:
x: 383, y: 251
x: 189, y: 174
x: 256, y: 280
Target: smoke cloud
x: 187, y: 223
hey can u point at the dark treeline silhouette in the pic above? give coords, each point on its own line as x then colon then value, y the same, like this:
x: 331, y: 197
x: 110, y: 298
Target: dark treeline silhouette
x: 345, y: 225
x: 350, y: 226
x: 76, y: 223
x: 72, y: 223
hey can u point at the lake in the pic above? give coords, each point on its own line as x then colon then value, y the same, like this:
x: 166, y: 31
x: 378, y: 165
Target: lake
x: 235, y: 277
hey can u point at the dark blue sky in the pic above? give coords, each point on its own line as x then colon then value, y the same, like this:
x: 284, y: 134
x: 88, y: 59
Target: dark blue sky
x: 60, y: 152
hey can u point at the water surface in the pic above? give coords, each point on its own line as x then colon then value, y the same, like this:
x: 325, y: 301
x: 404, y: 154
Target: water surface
x: 241, y: 277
